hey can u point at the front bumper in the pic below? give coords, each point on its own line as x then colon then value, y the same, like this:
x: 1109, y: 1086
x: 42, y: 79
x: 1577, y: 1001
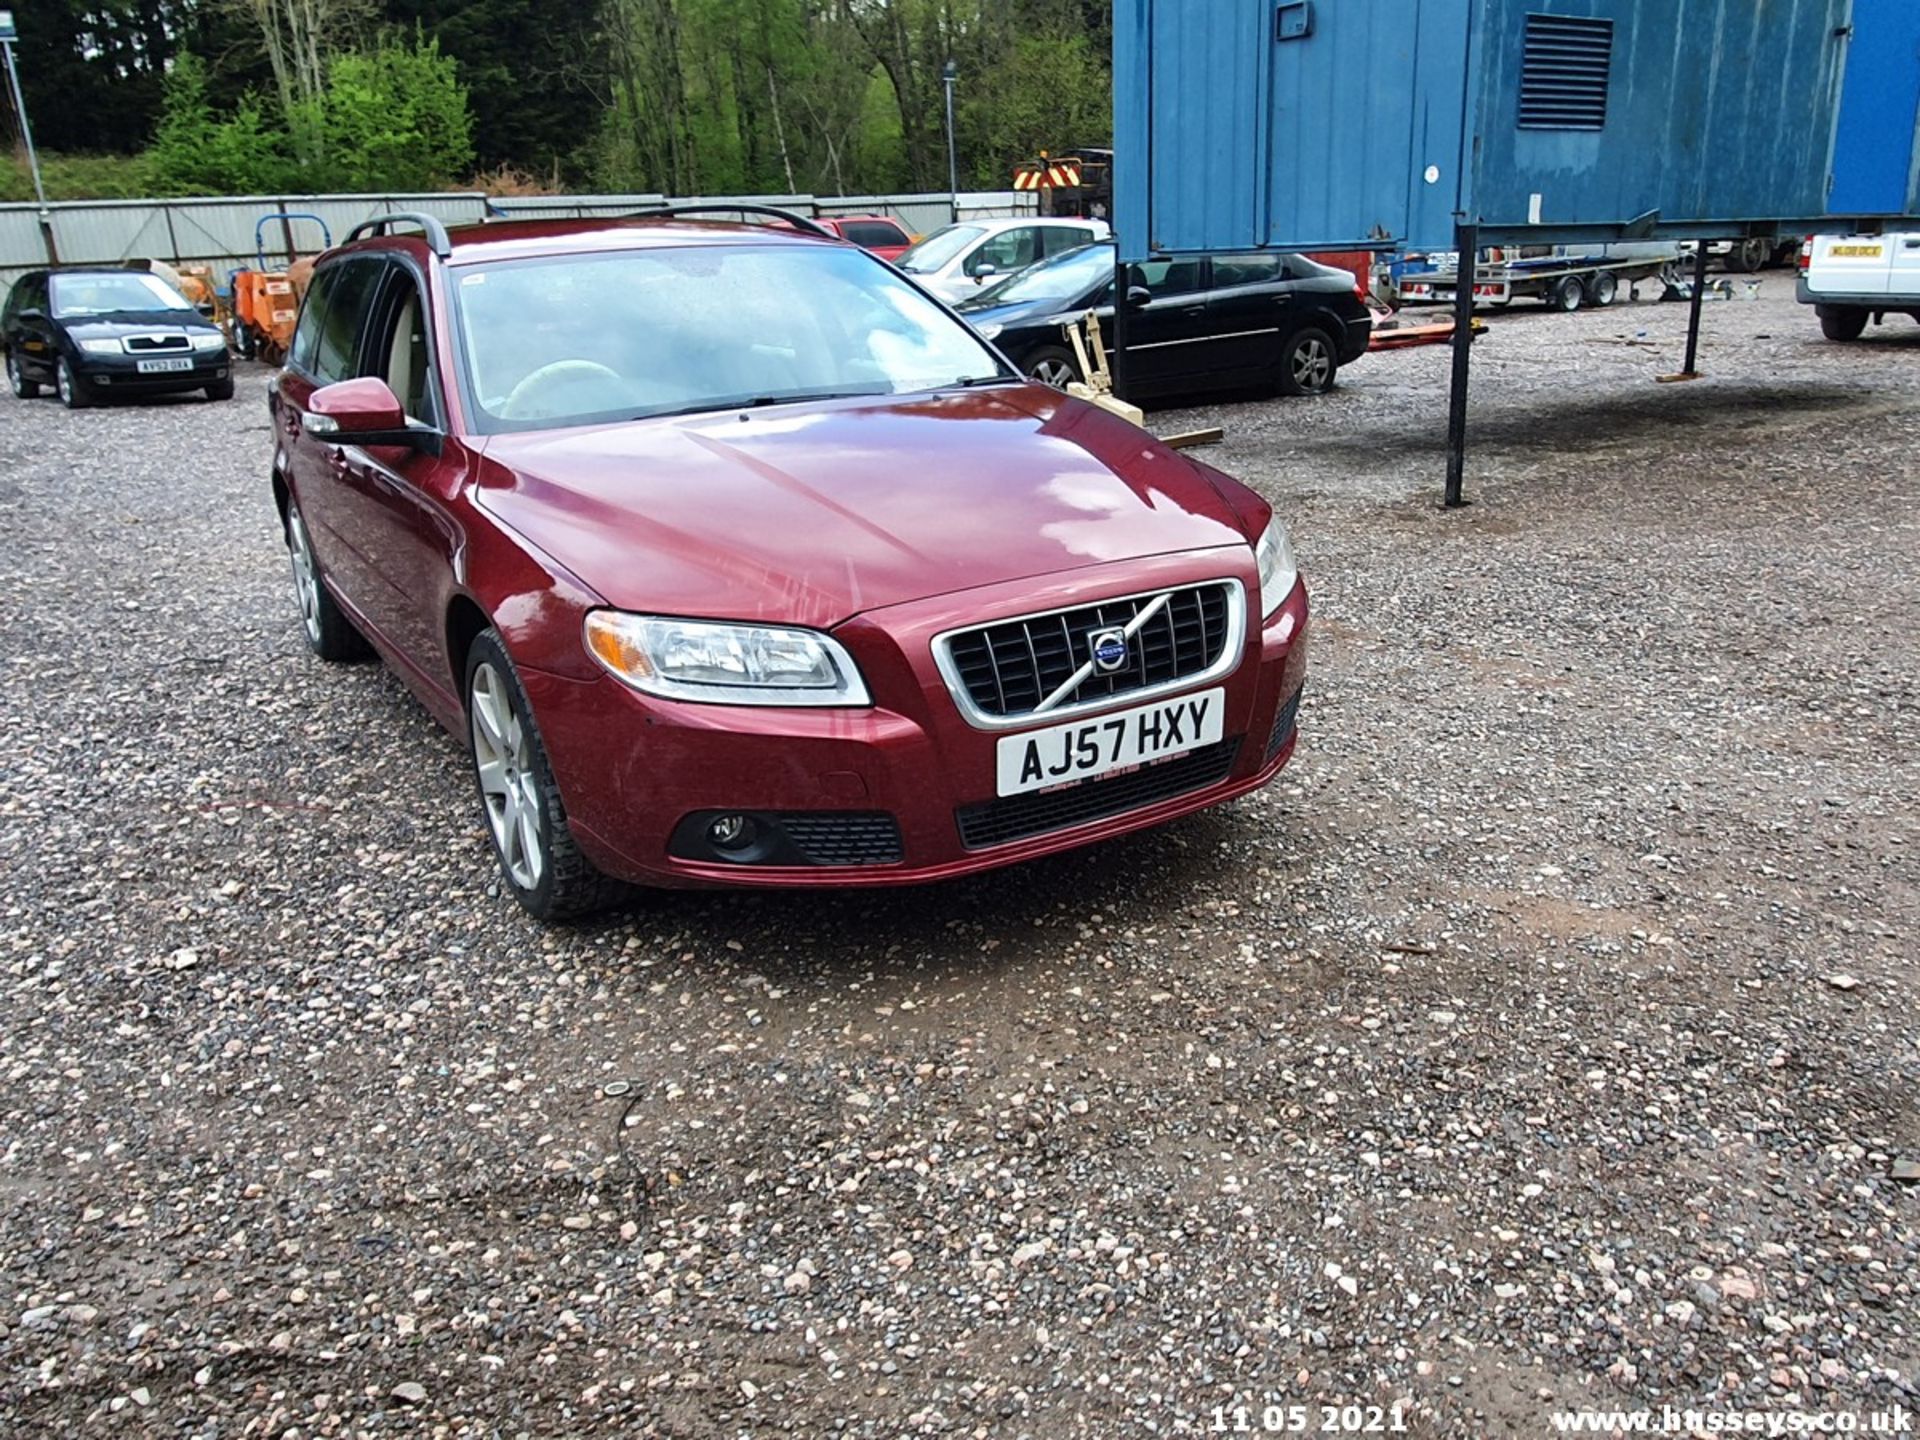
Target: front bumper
x: 636, y: 773
x: 106, y: 375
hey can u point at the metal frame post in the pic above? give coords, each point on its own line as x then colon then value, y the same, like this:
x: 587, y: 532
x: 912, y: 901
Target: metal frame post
x: 1693, y: 309
x: 33, y: 158
x: 1466, y: 240
x: 1122, y: 323
x: 948, y: 74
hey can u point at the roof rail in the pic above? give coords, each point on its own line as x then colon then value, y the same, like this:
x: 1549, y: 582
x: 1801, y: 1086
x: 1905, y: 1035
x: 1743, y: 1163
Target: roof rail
x: 436, y: 233
x: 798, y: 221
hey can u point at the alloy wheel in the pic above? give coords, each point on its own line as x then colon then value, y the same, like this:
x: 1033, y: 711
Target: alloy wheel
x: 1312, y: 364
x: 306, y: 575
x: 1056, y: 373
x: 509, y: 788
x: 63, y: 383
x: 15, y: 377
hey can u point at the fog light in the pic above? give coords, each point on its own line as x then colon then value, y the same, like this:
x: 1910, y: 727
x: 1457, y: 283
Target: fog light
x: 731, y: 832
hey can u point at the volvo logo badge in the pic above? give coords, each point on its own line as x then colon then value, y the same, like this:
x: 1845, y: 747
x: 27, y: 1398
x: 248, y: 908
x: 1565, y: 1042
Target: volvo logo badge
x: 1108, y: 649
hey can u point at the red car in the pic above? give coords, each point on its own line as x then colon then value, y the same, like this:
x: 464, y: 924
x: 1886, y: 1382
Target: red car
x: 735, y: 559
x: 885, y: 237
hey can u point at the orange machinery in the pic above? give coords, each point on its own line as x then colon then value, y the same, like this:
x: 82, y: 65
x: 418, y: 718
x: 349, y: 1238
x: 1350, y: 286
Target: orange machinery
x: 266, y: 300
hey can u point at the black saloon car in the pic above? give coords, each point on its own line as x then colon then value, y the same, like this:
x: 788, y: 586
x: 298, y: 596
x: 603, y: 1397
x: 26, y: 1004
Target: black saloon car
x: 94, y: 334
x: 1196, y: 322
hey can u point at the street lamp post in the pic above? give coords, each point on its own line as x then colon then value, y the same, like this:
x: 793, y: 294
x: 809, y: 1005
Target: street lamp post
x: 949, y: 73
x: 8, y: 34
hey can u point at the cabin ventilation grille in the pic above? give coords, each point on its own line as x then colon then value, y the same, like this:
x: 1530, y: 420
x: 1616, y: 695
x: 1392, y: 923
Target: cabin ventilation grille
x: 1564, y: 73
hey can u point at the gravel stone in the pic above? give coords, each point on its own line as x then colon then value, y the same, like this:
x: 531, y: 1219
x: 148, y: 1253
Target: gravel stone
x: 1613, y: 769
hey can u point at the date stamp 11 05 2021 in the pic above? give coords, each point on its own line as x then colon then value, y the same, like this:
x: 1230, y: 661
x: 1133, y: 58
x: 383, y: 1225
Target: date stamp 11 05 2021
x: 1275, y: 1416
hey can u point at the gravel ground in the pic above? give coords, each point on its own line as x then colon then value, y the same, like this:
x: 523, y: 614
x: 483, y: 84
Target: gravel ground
x: 1546, y: 1036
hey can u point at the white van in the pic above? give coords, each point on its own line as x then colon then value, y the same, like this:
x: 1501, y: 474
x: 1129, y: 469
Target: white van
x: 1850, y: 279
x: 956, y: 260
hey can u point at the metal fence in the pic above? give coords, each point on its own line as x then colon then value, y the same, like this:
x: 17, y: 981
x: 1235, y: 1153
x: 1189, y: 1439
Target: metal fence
x: 225, y: 232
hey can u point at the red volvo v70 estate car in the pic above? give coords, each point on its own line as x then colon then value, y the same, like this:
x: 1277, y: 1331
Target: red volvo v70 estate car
x: 734, y: 558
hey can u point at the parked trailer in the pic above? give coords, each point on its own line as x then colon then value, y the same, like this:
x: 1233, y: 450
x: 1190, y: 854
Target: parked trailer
x: 1563, y: 277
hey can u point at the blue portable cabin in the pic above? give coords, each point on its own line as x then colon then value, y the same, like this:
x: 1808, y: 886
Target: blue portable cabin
x: 1388, y: 124
x: 1340, y: 124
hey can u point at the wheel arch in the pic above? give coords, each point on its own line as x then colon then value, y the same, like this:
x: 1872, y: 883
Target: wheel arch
x: 465, y: 623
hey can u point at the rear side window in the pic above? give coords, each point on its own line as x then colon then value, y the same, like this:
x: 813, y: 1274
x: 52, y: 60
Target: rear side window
x: 1058, y: 239
x: 338, y: 315
x: 873, y: 232
x: 306, y: 335
x: 1231, y: 270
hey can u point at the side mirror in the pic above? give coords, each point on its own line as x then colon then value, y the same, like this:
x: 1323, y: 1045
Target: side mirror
x: 1138, y: 297
x: 364, y: 411
x: 986, y: 271
x: 32, y: 312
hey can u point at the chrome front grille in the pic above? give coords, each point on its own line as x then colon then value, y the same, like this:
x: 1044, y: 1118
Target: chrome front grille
x: 151, y: 344
x: 1033, y: 667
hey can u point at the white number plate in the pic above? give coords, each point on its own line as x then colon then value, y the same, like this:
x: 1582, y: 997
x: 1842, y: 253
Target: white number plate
x: 1082, y: 749
x: 159, y: 367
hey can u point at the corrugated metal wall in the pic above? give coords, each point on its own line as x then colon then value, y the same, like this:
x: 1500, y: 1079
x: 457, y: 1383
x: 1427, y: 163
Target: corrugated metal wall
x: 220, y: 231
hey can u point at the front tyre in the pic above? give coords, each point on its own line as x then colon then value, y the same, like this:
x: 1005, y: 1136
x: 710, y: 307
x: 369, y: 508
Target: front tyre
x: 330, y: 635
x: 66, y: 385
x: 1052, y: 365
x: 22, y: 387
x: 1603, y: 288
x: 1567, y: 294
x: 221, y: 389
x: 1308, y: 362
x: 525, y: 817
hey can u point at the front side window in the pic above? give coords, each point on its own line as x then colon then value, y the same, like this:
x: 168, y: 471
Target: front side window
x: 938, y: 249
x: 1167, y: 277
x: 1008, y: 251
x: 113, y: 293
x: 628, y: 335
x: 400, y: 348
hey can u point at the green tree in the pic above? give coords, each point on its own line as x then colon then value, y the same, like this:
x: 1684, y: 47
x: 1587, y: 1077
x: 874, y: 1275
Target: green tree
x: 394, y: 118
x: 196, y: 152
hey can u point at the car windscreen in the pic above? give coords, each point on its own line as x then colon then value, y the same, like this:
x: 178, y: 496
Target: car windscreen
x: 629, y: 335
x: 1059, y: 281
x: 85, y: 294
x: 938, y: 248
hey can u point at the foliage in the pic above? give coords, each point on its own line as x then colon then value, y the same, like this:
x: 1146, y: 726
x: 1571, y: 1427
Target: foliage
x: 679, y: 96
x: 77, y: 177
x: 392, y: 119
x: 195, y: 152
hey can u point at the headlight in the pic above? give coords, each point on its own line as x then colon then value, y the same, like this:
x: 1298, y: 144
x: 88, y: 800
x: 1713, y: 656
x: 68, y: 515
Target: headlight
x: 988, y: 331
x: 101, y: 347
x: 1274, y: 556
x: 213, y: 341
x: 716, y: 664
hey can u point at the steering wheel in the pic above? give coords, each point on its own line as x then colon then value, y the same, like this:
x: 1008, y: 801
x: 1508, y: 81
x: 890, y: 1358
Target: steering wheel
x: 559, y: 373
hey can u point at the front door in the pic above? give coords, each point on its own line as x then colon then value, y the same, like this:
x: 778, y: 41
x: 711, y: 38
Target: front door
x: 325, y: 349
x: 1166, y: 336
x: 392, y: 496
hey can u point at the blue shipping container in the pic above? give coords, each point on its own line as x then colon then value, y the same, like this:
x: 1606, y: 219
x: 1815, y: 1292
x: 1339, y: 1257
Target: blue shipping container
x: 1334, y: 124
